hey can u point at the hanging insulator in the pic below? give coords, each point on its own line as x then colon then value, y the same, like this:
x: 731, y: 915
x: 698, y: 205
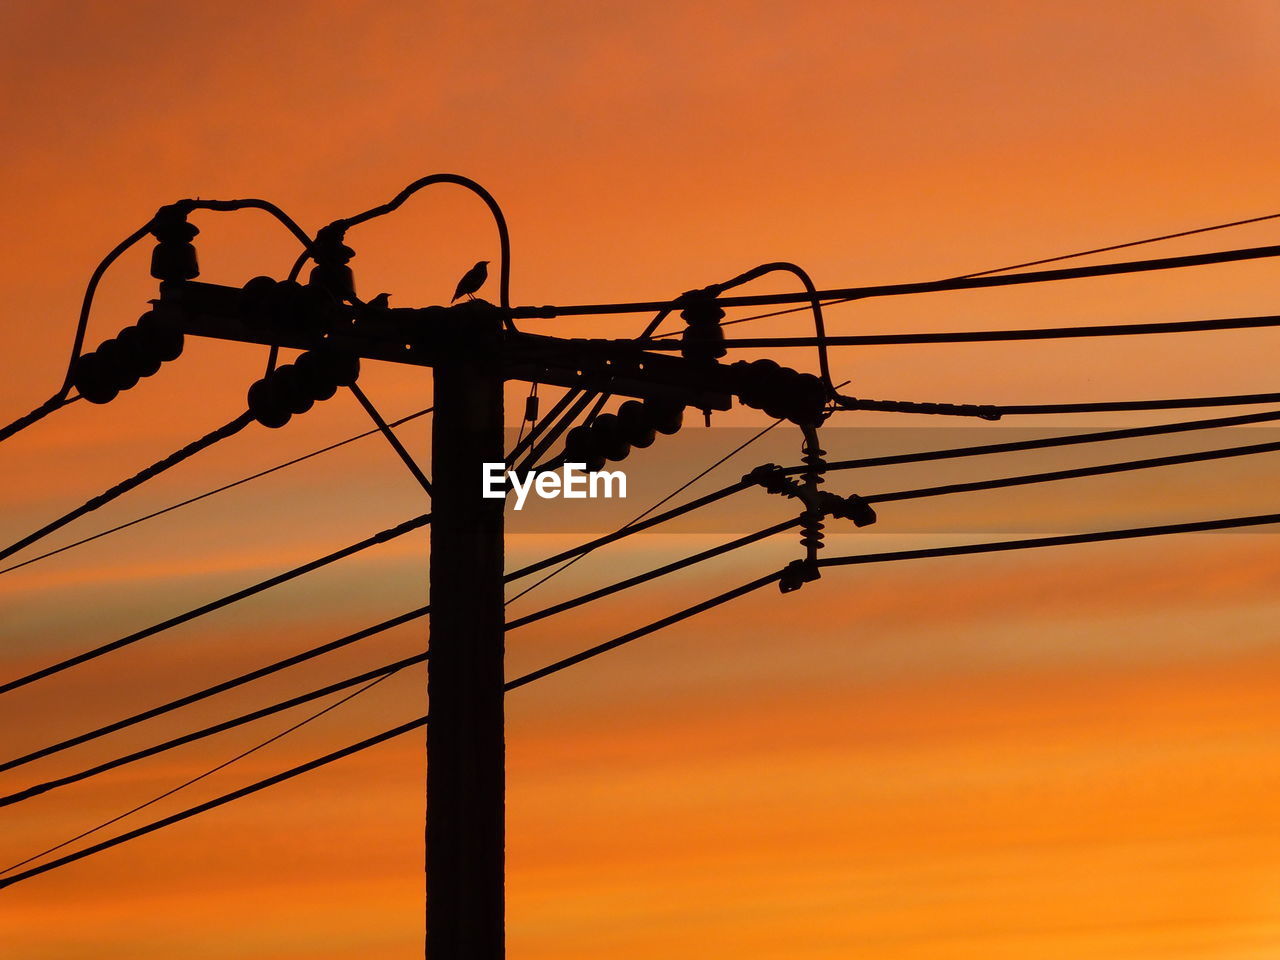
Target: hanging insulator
x: 811, y: 525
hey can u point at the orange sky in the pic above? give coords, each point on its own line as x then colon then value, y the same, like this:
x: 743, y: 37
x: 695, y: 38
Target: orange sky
x: 1055, y: 755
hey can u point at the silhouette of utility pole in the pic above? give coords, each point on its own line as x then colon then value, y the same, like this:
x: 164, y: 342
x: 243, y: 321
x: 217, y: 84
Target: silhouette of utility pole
x: 466, y: 775
x: 473, y: 350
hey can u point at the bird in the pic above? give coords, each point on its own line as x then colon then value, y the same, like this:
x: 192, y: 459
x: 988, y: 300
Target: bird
x: 472, y: 281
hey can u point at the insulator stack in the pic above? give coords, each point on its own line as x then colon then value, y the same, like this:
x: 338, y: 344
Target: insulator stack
x: 293, y: 388
x: 779, y: 391
x: 612, y: 436
x: 119, y: 363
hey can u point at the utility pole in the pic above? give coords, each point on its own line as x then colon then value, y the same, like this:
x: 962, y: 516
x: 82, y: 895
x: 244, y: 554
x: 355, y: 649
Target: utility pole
x: 473, y: 350
x: 466, y: 751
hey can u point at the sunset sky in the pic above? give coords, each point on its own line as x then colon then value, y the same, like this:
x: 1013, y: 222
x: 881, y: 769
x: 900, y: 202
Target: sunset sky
x: 1054, y: 754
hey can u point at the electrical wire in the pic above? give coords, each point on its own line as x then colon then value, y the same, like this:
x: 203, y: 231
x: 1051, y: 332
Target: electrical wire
x: 222, y: 489
x: 381, y: 537
x: 815, y: 305
x: 995, y: 411
x: 1000, y: 546
x: 1042, y: 443
x: 500, y: 221
x: 926, y: 286
x: 394, y: 667
x: 379, y: 738
x: 209, y: 731
x: 60, y: 397
x: 635, y: 527
x: 988, y: 336
x: 631, y: 524
x: 1029, y: 263
x: 1074, y: 473
x: 543, y: 423
x: 214, y: 803
x: 221, y: 687
x: 228, y: 429
x: 559, y: 665
x: 772, y: 578
x: 196, y: 779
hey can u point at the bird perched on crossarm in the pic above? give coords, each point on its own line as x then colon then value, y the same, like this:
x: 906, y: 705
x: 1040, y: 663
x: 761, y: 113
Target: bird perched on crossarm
x: 472, y: 281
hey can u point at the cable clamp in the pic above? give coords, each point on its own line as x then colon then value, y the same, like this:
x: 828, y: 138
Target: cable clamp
x: 796, y: 574
x: 774, y: 479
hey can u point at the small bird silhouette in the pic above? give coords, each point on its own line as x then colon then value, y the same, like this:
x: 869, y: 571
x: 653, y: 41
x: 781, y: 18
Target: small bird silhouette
x: 472, y: 281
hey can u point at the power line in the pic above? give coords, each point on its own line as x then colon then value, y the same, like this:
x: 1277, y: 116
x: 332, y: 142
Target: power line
x: 211, y: 730
x: 313, y: 652
x: 378, y: 538
x: 228, y: 429
x: 987, y: 336
x: 542, y: 424
x: 1075, y: 473
x: 196, y: 779
x: 571, y: 555
x: 925, y: 286
x: 60, y: 397
x: 1000, y: 546
x: 56, y: 402
x: 994, y: 411
x: 676, y: 565
x: 718, y: 600
x: 1042, y: 443
x: 397, y: 666
x: 1024, y: 264
x: 637, y: 519
x: 221, y: 687
x: 222, y: 489
x: 339, y: 227
x: 368, y: 742
x: 214, y: 803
